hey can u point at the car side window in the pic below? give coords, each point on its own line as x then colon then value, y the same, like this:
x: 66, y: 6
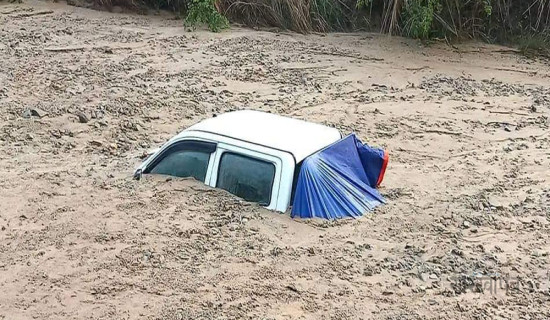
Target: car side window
x: 184, y: 159
x: 246, y: 177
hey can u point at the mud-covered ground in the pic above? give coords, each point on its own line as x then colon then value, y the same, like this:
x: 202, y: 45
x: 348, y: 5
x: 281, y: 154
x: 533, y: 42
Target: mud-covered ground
x: 468, y: 185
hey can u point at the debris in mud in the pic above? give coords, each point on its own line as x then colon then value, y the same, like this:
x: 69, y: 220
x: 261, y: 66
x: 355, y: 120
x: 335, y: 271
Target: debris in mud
x: 459, y: 88
x: 82, y: 117
x: 96, y: 143
x: 34, y: 112
x: 82, y: 236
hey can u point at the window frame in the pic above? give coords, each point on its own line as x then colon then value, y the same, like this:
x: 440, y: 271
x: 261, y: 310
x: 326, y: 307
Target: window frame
x: 252, y: 158
x: 193, y: 145
x: 253, y: 154
x: 283, y: 160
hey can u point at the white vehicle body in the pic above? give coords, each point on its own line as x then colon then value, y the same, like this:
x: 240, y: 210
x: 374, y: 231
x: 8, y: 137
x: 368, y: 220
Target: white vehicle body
x: 280, y: 141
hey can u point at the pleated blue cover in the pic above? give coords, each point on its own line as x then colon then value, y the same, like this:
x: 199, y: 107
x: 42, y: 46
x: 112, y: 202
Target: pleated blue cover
x: 340, y: 181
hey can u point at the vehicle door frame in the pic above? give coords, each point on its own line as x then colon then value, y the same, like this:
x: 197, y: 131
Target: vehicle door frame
x: 253, y: 154
x: 171, y: 143
x: 284, y: 171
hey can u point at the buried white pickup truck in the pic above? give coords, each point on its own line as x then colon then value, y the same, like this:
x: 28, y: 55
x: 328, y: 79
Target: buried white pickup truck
x: 274, y: 161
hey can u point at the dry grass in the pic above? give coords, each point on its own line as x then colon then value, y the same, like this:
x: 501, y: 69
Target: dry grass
x: 302, y: 16
x: 492, y: 20
x: 286, y: 14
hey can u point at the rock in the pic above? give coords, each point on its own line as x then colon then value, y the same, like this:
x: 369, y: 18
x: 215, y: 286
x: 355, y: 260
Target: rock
x: 96, y: 143
x: 480, y: 206
x: 466, y: 224
x: 38, y: 112
x: 82, y: 117
x: 34, y: 112
x: 494, y: 203
x: 97, y: 114
x: 433, y: 276
x: 292, y: 287
x: 56, y: 134
x: 457, y: 252
x: 539, y: 253
x: 424, y: 277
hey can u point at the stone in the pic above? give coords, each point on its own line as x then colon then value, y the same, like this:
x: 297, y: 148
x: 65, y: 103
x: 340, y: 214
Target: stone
x: 82, y: 117
x: 34, y: 112
x: 424, y: 277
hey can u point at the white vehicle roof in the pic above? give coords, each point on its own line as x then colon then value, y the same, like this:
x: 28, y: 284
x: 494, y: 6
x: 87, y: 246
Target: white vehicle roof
x: 298, y: 137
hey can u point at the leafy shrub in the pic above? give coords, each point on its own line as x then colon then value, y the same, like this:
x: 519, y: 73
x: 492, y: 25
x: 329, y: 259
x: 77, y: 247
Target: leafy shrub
x: 521, y: 22
x: 204, y: 11
x: 487, y: 7
x: 363, y: 4
x: 418, y: 17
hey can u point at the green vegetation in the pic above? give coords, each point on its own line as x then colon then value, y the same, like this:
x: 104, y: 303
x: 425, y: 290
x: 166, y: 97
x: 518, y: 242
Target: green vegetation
x: 418, y: 16
x: 204, y: 11
x: 524, y: 22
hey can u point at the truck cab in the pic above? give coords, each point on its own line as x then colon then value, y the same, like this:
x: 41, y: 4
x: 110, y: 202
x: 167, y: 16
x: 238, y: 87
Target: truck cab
x: 251, y: 154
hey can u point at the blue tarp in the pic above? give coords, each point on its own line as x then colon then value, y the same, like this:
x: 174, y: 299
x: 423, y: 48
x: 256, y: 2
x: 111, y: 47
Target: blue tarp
x: 340, y: 181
